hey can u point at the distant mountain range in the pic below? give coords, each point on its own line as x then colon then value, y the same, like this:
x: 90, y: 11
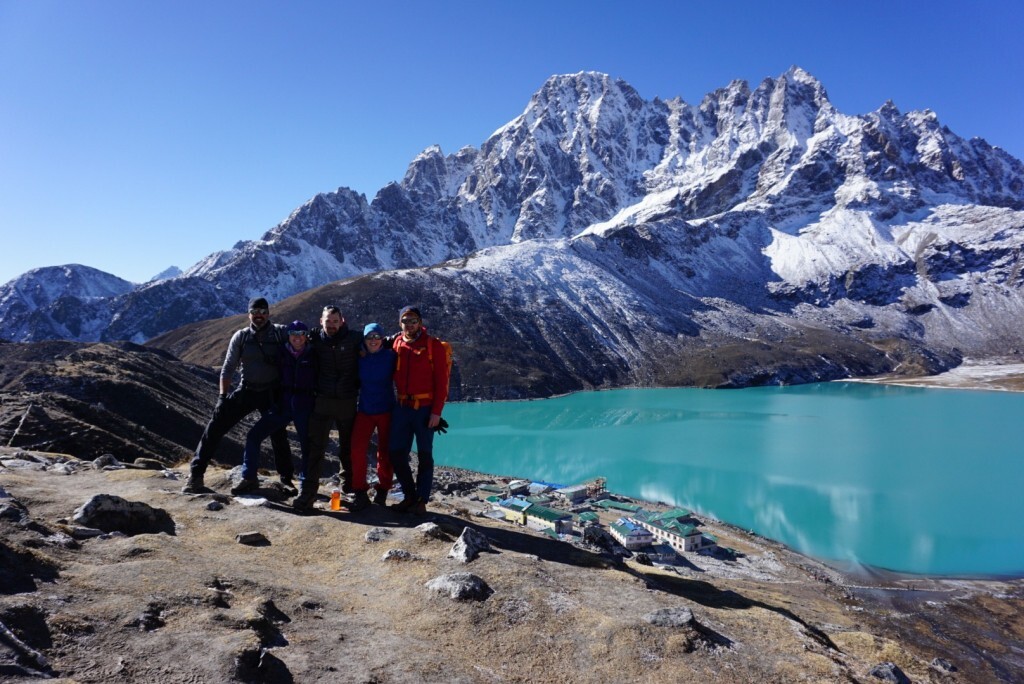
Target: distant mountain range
x: 600, y: 239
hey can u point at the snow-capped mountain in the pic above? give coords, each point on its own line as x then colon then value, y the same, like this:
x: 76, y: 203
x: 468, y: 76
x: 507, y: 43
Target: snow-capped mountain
x: 763, y: 205
x: 166, y: 274
x: 59, y: 302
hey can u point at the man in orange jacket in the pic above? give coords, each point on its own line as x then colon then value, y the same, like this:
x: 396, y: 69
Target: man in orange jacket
x: 421, y: 380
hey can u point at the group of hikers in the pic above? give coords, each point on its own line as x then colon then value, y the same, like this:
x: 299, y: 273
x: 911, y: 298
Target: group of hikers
x: 332, y: 377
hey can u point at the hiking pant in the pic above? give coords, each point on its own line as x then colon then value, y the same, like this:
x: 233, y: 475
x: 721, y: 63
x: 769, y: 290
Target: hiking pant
x: 408, y: 422
x: 228, y: 412
x: 271, y: 422
x: 362, y: 430
x: 330, y: 413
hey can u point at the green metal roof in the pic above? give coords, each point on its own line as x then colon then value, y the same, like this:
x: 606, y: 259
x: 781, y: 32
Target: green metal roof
x: 545, y: 513
x: 617, y: 505
x: 588, y: 516
x: 673, y: 514
x: 680, y: 529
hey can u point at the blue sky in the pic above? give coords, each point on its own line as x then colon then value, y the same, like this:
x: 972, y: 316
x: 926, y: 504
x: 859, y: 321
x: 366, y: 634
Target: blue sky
x: 137, y: 135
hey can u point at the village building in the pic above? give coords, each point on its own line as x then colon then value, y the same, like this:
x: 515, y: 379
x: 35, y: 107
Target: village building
x: 541, y: 500
x: 539, y: 488
x: 514, y: 510
x: 490, y: 489
x: 587, y: 519
x: 676, y: 527
x: 609, y: 504
x: 631, y: 534
x: 574, y: 494
x: 662, y: 553
x: 535, y: 516
x: 516, y: 487
x: 543, y: 518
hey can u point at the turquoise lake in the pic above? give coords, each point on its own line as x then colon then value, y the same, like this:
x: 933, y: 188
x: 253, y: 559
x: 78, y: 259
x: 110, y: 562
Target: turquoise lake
x: 907, y: 479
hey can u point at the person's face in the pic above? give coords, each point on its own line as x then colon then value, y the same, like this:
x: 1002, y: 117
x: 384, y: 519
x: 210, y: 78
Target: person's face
x: 374, y: 342
x: 297, y: 339
x: 331, y: 323
x: 258, y: 317
x: 410, y: 325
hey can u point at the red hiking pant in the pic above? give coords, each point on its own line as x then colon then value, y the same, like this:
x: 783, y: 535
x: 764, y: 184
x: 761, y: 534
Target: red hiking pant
x: 362, y: 430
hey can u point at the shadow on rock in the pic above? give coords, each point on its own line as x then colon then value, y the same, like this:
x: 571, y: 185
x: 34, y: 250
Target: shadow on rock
x: 260, y: 665
x: 711, y: 596
x: 19, y: 570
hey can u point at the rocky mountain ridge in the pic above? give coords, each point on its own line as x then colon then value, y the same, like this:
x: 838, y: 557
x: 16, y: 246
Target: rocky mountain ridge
x: 756, y: 210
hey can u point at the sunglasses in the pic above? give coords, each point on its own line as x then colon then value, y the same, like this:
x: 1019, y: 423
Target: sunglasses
x: 410, y: 321
x: 296, y: 333
x: 374, y: 336
x: 259, y: 312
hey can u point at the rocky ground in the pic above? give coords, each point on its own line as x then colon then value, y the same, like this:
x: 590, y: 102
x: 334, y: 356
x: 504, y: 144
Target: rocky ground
x: 374, y: 596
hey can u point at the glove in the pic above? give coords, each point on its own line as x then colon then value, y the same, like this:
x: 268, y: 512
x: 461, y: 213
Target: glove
x: 442, y: 426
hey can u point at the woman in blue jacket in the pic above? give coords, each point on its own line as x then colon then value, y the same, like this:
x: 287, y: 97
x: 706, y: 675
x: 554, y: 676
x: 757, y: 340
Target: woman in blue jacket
x: 376, y: 399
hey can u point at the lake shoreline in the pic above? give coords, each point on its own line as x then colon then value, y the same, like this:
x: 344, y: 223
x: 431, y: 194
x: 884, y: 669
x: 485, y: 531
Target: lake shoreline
x: 862, y: 577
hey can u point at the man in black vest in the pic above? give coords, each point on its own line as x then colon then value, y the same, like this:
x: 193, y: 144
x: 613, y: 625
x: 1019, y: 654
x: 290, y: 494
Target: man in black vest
x: 337, y: 352
x: 255, y: 348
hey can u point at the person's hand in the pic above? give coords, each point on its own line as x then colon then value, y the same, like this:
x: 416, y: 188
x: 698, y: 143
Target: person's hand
x: 433, y: 421
x: 442, y: 426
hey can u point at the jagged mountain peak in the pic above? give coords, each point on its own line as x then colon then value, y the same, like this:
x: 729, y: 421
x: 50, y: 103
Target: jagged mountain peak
x: 671, y: 218
x: 166, y: 274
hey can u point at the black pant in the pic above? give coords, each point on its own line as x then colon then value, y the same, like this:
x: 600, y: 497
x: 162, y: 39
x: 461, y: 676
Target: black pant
x: 330, y: 413
x: 226, y: 415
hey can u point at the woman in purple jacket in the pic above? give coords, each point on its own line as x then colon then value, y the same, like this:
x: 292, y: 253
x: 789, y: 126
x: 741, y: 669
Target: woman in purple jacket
x: 298, y: 383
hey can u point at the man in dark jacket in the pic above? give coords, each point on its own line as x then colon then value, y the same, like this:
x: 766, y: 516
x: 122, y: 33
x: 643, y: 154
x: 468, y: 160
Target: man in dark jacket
x: 336, y: 348
x: 298, y: 387
x: 255, y: 348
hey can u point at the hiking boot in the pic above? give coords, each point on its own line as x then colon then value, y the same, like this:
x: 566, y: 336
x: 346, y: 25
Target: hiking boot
x: 245, y: 486
x: 194, y: 485
x: 381, y: 497
x: 419, y: 508
x: 358, y: 502
x: 288, y: 486
x: 303, y: 503
x: 406, y: 504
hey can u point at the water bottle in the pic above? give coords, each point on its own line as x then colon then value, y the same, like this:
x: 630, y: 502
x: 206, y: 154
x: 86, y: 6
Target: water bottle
x: 336, y: 499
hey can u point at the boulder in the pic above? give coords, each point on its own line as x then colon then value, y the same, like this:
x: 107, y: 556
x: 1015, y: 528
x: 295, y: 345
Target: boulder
x: 13, y: 510
x: 671, y: 617
x: 461, y: 586
x: 397, y: 555
x: 433, y: 531
x: 252, y: 539
x: 147, y: 464
x: 107, y: 461
x: 889, y: 672
x: 943, y: 665
x: 377, y: 534
x: 114, y: 514
x: 469, y: 545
